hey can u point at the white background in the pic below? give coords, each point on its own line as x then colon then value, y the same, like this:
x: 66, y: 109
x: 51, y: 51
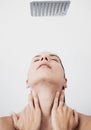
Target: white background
x: 22, y: 36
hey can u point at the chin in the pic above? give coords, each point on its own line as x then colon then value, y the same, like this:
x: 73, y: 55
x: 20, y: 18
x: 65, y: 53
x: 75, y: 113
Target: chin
x: 43, y: 74
x: 44, y: 80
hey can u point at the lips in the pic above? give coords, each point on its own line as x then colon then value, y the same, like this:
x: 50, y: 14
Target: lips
x: 44, y: 65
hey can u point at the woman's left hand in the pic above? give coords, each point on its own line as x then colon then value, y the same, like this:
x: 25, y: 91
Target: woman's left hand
x: 63, y: 117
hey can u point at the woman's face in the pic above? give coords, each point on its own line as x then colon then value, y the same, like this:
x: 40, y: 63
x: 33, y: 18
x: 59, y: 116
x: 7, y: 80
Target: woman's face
x: 46, y: 67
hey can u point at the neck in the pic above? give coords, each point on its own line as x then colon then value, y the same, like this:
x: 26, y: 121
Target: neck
x: 46, y: 94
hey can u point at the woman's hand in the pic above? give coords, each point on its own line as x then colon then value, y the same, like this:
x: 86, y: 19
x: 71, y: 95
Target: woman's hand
x: 63, y: 117
x: 30, y: 117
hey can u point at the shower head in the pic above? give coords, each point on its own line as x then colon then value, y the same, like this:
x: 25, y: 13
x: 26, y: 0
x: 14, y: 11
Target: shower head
x: 49, y: 8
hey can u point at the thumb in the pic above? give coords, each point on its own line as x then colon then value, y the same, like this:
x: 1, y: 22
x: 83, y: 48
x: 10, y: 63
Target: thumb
x: 76, y: 116
x: 15, y: 118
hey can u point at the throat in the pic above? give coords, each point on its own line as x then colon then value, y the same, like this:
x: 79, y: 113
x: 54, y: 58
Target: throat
x: 46, y: 95
x: 46, y: 102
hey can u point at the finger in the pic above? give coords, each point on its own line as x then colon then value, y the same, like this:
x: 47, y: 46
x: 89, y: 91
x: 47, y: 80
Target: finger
x: 55, y: 105
x: 70, y: 112
x: 36, y: 103
x: 30, y: 100
x: 76, y: 117
x: 15, y: 118
x: 61, y: 100
x: 65, y: 109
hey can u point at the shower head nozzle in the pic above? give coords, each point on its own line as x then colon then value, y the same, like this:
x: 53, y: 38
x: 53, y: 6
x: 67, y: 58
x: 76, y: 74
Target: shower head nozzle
x: 49, y: 8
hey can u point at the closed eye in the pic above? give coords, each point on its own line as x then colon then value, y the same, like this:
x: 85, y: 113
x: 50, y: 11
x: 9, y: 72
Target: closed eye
x: 55, y: 60
x: 36, y: 60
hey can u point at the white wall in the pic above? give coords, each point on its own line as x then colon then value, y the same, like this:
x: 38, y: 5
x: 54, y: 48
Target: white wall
x: 21, y: 36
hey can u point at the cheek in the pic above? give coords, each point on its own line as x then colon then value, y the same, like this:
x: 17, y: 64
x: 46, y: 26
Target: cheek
x: 59, y: 73
x: 59, y: 70
x: 31, y: 72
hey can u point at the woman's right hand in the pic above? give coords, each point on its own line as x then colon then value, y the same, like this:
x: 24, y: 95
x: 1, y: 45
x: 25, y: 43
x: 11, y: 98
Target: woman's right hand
x: 30, y: 117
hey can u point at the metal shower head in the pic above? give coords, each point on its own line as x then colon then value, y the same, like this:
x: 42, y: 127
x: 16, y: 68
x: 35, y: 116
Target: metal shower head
x: 49, y: 8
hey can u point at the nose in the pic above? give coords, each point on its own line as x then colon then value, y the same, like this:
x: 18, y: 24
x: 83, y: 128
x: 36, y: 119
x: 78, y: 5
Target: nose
x: 44, y: 58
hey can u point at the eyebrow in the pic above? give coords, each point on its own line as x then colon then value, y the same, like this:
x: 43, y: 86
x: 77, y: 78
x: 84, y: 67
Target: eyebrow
x: 55, y: 56
x: 49, y: 55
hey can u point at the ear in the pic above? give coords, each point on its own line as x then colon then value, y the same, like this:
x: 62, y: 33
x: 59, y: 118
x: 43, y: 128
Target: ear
x: 27, y: 86
x: 65, y: 83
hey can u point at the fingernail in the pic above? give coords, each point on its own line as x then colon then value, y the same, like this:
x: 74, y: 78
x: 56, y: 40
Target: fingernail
x: 11, y: 114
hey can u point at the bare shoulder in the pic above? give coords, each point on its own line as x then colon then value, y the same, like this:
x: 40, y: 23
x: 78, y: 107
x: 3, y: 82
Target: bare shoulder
x: 84, y: 122
x: 6, y: 123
